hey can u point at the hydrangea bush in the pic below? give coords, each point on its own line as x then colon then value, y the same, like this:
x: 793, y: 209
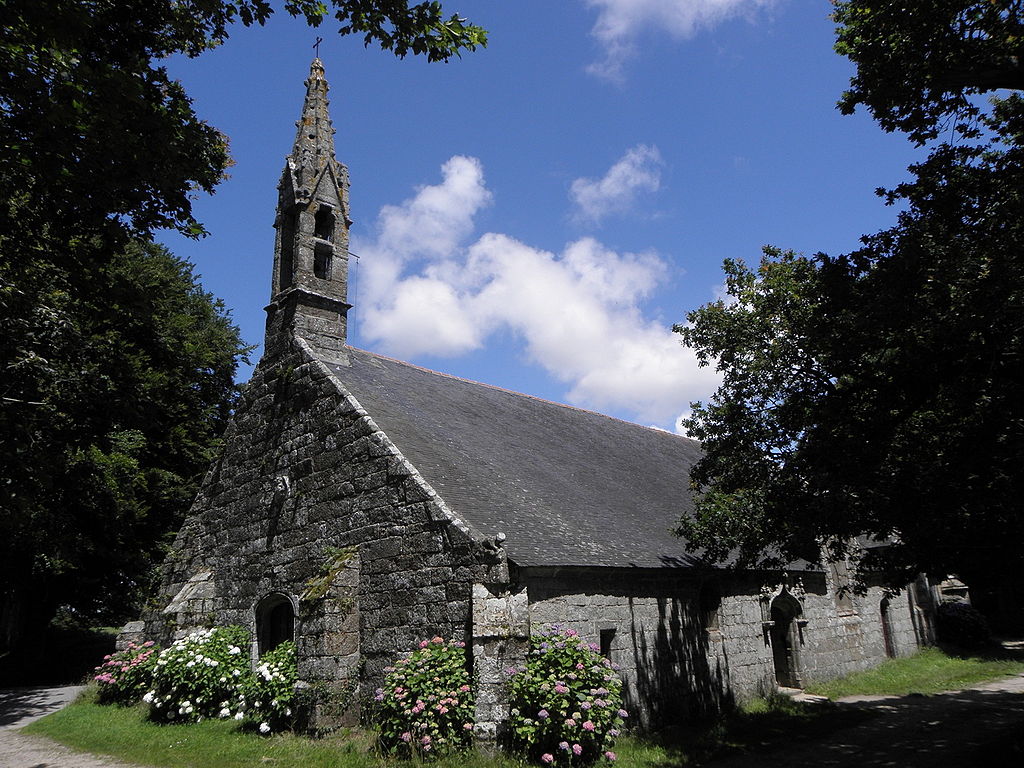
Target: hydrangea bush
x: 426, y: 704
x: 566, y: 701
x: 124, y: 676
x: 200, y: 676
x: 267, y: 694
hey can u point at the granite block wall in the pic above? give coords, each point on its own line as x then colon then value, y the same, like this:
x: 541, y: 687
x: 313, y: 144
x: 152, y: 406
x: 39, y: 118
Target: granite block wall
x: 652, y: 629
x: 679, y: 661
x: 310, y: 500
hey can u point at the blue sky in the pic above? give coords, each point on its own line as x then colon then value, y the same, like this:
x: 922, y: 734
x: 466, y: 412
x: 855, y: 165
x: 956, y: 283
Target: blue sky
x: 537, y: 214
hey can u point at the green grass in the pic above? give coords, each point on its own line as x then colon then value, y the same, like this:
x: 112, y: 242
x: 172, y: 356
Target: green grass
x: 124, y: 733
x: 929, y: 671
x: 759, y: 725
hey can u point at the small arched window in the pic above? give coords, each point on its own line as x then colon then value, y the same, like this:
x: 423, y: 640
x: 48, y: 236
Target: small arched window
x: 323, y: 224
x: 275, y: 622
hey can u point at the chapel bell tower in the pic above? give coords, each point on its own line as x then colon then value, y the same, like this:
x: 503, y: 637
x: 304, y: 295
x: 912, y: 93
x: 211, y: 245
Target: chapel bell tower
x: 310, y: 285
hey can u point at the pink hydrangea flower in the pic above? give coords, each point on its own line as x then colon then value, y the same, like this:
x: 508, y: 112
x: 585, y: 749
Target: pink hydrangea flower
x: 547, y: 757
x: 588, y: 726
x: 577, y: 749
x: 611, y: 756
x: 570, y: 722
x: 563, y: 745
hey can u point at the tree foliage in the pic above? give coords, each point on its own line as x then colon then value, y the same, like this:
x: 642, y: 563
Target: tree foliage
x: 93, y: 130
x: 920, y: 64
x: 116, y: 369
x: 875, y: 394
x: 874, y: 397
x: 118, y: 382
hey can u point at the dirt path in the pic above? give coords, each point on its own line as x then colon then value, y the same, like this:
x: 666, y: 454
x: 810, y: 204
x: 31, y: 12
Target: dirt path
x: 979, y: 726
x: 19, y: 707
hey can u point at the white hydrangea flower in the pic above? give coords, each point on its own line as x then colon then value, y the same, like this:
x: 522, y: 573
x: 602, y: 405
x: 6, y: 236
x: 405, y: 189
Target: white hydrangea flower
x: 264, y: 728
x: 148, y: 698
x: 239, y: 715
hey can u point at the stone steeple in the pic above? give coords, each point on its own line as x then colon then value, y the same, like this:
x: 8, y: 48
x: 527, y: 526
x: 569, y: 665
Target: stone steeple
x: 310, y: 284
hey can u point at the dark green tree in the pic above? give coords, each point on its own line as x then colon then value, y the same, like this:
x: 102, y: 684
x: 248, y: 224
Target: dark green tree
x: 876, y: 394
x: 115, y: 368
x: 921, y: 65
x: 123, y: 379
x: 874, y: 397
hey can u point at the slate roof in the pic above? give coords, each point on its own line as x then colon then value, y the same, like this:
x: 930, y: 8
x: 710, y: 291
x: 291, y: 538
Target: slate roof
x: 566, y: 486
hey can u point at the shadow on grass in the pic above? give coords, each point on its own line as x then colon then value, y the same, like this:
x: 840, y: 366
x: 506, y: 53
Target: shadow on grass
x: 996, y: 650
x: 957, y: 729
x: 763, y: 726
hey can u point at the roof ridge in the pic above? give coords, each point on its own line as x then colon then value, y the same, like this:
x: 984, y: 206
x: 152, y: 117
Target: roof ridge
x: 520, y: 394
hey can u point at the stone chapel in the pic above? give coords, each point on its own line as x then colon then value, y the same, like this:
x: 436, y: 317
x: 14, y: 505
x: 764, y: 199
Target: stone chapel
x: 361, y: 504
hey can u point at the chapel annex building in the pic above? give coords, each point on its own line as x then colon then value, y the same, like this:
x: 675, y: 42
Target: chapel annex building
x: 361, y: 504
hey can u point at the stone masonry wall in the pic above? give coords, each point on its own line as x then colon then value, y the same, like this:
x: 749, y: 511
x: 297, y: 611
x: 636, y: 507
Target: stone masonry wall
x: 309, y: 500
x: 676, y: 663
x: 656, y: 635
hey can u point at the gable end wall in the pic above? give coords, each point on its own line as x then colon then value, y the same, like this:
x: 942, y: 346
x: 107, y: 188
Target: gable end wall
x: 309, y: 496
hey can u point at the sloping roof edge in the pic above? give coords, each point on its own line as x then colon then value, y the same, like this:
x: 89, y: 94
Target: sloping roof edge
x: 449, y: 515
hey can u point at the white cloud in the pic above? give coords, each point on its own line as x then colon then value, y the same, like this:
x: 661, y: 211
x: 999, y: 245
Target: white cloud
x: 639, y: 170
x: 578, y: 312
x: 620, y: 22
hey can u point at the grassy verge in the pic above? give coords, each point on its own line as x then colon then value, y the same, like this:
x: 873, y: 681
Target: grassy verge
x: 930, y: 671
x: 760, y: 725
x: 124, y: 733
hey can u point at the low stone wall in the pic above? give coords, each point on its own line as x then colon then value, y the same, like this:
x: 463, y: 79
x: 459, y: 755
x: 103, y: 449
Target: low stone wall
x: 647, y: 621
x: 680, y: 659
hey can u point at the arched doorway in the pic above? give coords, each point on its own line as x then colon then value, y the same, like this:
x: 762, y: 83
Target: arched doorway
x: 785, y: 640
x: 275, y: 622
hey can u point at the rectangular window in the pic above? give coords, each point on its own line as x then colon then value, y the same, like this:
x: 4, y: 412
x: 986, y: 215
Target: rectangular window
x: 607, y: 636
x: 322, y: 262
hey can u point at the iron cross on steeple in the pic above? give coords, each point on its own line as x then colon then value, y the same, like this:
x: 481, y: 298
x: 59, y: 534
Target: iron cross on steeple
x: 316, y: 47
